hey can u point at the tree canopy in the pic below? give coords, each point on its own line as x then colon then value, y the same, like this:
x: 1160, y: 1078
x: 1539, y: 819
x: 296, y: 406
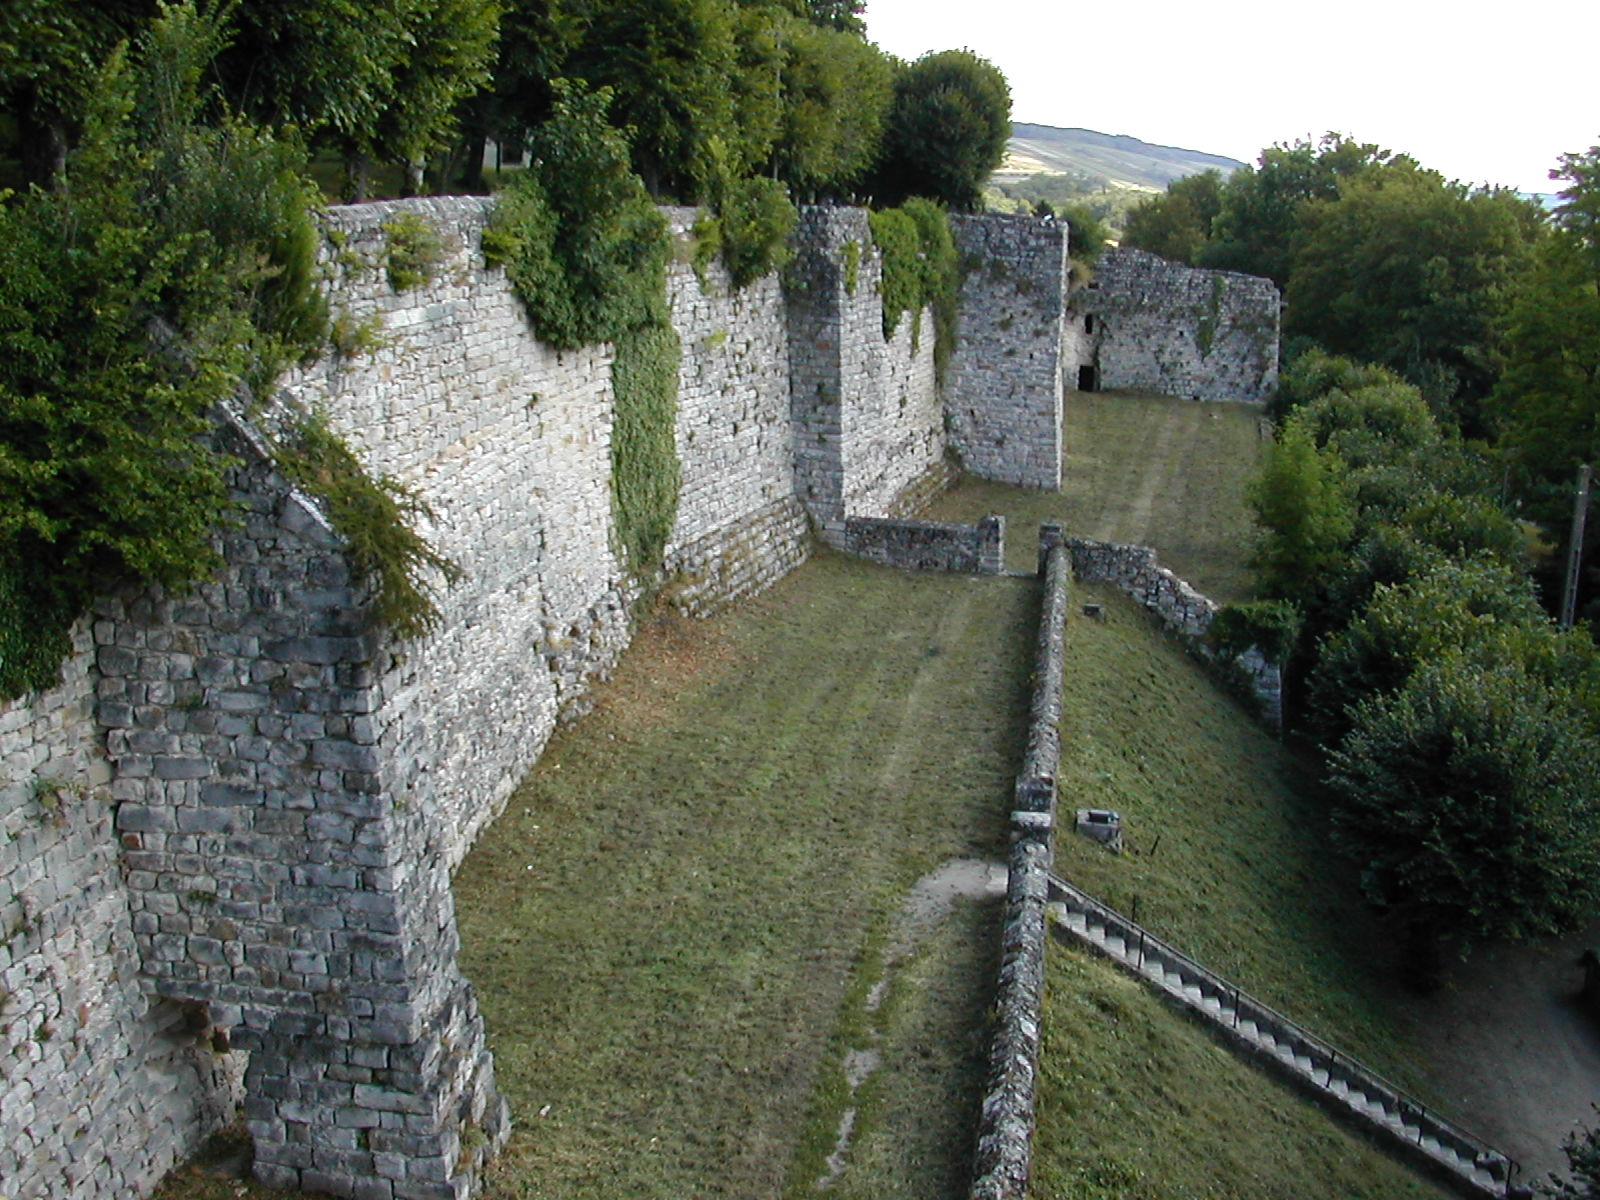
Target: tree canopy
x: 946, y: 131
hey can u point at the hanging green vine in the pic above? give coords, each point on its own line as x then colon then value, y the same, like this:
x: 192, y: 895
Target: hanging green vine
x: 376, y: 518
x: 587, y: 252
x: 920, y: 267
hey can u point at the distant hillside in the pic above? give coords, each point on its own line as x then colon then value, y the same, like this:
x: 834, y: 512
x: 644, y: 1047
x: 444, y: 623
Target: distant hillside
x: 1117, y: 158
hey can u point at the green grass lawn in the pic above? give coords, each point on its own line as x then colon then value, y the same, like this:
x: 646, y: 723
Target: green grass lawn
x: 1142, y: 469
x: 666, y: 923
x: 1139, y: 1103
x: 1227, y: 840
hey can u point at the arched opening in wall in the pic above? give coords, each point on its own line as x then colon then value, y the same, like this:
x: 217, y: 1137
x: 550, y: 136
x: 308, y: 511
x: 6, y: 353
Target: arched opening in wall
x: 1089, y: 379
x: 1088, y: 323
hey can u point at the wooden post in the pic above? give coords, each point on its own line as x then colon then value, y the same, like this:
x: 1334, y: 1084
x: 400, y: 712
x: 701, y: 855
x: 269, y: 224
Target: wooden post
x: 1580, y: 510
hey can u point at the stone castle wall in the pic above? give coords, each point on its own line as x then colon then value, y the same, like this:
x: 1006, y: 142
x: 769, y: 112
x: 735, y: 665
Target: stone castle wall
x: 1006, y: 375
x: 274, y: 796
x: 868, y: 420
x: 103, y: 1088
x: 1180, y: 608
x: 1163, y: 327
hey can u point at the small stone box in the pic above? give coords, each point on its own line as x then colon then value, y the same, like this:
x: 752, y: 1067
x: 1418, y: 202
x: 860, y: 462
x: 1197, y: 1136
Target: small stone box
x: 1101, y: 825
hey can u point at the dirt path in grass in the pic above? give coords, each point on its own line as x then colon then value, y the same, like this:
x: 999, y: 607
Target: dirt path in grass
x: 1508, y: 1042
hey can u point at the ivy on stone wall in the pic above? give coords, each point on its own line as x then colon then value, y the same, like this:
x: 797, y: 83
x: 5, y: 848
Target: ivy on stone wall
x: 920, y: 267
x: 587, y: 251
x: 1205, y: 333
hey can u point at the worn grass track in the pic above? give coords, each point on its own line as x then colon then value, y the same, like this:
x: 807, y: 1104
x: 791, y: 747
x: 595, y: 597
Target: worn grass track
x: 1144, y: 469
x: 664, y: 925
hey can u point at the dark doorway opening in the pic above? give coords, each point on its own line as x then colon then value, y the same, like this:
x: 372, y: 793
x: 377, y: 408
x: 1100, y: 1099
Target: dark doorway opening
x: 1088, y: 379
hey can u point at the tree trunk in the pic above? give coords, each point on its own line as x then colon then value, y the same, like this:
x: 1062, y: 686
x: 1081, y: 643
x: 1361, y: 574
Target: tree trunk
x: 412, y: 182
x: 357, y: 177
x: 42, y: 147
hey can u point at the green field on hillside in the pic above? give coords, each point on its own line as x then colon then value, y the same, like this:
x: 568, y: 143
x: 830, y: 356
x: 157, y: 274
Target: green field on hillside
x: 1149, y: 470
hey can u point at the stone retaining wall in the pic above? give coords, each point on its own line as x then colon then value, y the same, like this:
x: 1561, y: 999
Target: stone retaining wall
x: 927, y: 545
x: 1003, y: 1162
x: 1185, y: 611
x: 291, y: 790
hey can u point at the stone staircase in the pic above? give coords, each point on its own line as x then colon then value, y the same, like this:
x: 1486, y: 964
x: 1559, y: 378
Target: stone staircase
x: 1334, y: 1079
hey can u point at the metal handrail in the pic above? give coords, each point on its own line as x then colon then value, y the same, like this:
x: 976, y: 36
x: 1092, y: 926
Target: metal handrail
x: 1350, y: 1065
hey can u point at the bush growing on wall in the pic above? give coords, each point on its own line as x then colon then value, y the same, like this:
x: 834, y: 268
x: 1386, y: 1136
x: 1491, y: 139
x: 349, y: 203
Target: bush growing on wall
x: 174, y: 262
x: 587, y: 252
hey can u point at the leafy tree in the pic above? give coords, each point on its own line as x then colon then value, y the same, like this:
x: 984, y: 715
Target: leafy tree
x: 1471, y: 800
x: 836, y: 95
x: 50, y: 57
x: 1582, y: 1151
x: 1314, y: 372
x: 1087, y: 234
x: 325, y: 66
x: 1254, y: 229
x: 1547, y: 402
x: 452, y: 45
x: 1475, y: 608
x: 667, y: 64
x: 1406, y: 270
x: 1303, y: 503
x: 947, y: 130
x: 164, y: 228
x: 530, y: 54
x: 1177, y: 224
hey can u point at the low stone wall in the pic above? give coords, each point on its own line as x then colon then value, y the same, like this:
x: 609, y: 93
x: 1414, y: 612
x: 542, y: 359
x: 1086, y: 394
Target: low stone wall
x: 1163, y: 327
x: 1185, y: 611
x: 1003, y: 1162
x: 927, y: 545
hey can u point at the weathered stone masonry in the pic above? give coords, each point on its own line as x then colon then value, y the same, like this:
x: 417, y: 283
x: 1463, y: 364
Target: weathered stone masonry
x: 1159, y: 326
x: 1006, y: 373
x: 290, y: 792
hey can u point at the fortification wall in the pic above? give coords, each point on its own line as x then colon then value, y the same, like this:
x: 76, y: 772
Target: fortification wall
x: 1007, y: 368
x: 291, y: 790
x: 868, y: 418
x: 1164, y: 327
x: 102, y: 1088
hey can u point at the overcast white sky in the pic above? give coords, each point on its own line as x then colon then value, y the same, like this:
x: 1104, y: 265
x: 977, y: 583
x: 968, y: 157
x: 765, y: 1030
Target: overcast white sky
x: 1481, y: 93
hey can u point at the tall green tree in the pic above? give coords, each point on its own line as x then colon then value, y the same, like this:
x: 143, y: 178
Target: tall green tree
x: 946, y: 132
x: 1302, y: 501
x: 667, y: 64
x: 836, y: 91
x: 1471, y: 800
x: 1547, y: 401
x: 1177, y: 224
x: 452, y: 50
x: 51, y: 55
x: 1414, y: 273
x: 1259, y: 215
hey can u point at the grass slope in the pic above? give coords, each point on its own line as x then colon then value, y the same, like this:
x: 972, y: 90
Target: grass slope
x: 1228, y: 854
x: 665, y: 924
x: 1138, y: 1103
x: 1144, y: 469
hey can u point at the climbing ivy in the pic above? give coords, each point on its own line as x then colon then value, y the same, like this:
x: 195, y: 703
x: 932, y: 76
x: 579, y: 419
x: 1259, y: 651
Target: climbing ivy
x: 376, y: 519
x: 920, y: 267
x: 587, y: 252
x: 1205, y: 334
